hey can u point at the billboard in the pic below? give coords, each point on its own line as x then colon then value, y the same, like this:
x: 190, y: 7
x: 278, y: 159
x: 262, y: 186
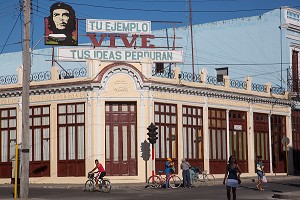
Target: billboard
x: 61, y: 21
x: 118, y: 26
x: 119, y: 55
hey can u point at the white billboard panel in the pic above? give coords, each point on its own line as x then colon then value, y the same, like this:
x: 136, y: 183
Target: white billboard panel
x: 118, y: 26
x: 116, y: 55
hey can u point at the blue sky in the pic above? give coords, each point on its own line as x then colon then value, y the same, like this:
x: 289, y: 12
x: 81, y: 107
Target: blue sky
x: 204, y: 11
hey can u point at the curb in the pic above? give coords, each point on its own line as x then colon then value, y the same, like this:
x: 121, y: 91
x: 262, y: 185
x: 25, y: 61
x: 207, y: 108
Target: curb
x: 287, y: 196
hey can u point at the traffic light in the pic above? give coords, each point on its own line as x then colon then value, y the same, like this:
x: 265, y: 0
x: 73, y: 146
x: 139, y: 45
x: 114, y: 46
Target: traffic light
x: 145, y: 148
x: 152, y: 132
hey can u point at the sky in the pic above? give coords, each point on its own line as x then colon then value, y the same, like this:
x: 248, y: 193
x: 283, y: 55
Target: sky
x: 162, y: 13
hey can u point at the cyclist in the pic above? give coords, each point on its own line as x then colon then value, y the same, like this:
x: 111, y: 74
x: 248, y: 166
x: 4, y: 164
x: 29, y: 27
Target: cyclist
x: 169, y: 165
x: 101, y: 172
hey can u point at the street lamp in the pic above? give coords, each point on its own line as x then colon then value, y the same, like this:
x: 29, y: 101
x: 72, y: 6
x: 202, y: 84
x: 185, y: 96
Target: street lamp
x: 59, y: 37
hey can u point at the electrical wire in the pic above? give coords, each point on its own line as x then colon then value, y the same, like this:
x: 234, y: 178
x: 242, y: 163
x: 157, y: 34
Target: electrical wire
x: 10, y: 33
x: 170, y: 11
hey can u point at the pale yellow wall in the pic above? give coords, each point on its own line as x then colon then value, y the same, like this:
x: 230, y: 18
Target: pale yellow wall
x: 120, y: 87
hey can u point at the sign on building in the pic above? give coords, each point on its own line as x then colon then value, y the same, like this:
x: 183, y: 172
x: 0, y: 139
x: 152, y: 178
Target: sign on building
x: 116, y: 55
x: 118, y: 26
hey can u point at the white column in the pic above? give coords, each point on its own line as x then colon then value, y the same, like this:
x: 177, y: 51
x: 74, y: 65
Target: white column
x: 270, y: 143
x: 100, y: 136
x: 53, y: 139
x: 146, y: 64
x: 289, y: 134
x: 206, y: 139
x: 89, y: 126
x: 227, y: 133
x: 143, y: 129
x: 180, y: 141
x: 251, y: 145
x: 19, y: 122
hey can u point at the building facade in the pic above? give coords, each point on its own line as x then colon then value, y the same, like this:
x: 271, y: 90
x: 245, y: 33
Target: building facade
x: 104, y: 114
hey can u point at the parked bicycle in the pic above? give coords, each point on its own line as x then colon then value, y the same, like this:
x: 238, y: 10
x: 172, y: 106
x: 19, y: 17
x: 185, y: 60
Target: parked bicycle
x: 200, y: 176
x: 158, y: 181
x: 90, y: 184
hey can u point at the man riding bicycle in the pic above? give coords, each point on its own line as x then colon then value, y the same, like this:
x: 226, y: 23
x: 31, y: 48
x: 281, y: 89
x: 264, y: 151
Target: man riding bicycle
x: 101, y: 172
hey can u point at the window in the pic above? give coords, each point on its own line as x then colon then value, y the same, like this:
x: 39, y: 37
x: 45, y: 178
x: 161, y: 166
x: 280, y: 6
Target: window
x: 39, y: 141
x: 71, y: 134
x: 217, y: 134
x: 221, y: 72
x: 166, y: 121
x: 192, y: 132
x: 8, y: 137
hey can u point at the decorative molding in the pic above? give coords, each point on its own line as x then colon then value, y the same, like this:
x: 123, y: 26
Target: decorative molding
x: 55, y: 97
x: 221, y: 95
x: 131, y: 71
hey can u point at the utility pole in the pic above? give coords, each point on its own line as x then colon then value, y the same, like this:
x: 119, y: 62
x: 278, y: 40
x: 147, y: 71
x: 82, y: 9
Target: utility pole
x: 192, y: 38
x: 24, y: 182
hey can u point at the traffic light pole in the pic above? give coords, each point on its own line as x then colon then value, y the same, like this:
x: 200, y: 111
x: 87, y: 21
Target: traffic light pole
x: 153, y: 167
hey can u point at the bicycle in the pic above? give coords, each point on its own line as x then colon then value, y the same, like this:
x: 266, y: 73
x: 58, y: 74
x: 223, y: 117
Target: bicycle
x: 201, y: 177
x: 104, y: 184
x: 157, y: 181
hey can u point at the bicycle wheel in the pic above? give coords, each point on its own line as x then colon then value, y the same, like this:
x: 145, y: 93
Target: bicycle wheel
x: 209, y: 179
x: 154, y: 181
x: 89, y: 185
x: 105, y: 186
x: 174, y: 181
x: 195, y: 180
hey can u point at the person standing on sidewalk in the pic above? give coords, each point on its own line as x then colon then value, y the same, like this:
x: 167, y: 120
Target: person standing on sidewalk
x: 169, y: 164
x: 232, y: 174
x: 260, y: 172
x: 185, y: 166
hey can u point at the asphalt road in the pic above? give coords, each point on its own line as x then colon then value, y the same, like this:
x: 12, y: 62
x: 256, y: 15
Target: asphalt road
x: 137, y: 192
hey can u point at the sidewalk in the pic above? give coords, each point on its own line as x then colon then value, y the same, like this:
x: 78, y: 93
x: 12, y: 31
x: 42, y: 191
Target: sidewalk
x: 218, y: 181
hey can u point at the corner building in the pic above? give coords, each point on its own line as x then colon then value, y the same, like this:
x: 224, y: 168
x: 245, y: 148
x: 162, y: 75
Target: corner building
x: 104, y: 114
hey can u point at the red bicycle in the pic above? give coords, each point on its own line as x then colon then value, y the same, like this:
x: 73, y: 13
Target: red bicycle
x: 158, y: 181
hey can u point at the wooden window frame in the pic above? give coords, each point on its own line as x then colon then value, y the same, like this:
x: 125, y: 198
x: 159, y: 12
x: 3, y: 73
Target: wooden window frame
x: 67, y: 162
x: 5, y: 167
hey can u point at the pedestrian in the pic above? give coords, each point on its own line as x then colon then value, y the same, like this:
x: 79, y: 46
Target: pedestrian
x: 232, y: 174
x: 260, y: 172
x: 168, y: 166
x: 185, y: 166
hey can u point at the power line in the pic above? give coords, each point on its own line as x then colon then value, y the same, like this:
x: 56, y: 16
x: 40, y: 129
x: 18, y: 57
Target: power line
x: 10, y: 33
x: 171, y: 1
x: 171, y: 11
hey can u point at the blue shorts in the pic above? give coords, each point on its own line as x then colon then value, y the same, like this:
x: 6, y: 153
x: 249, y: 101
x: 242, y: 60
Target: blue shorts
x: 260, y: 174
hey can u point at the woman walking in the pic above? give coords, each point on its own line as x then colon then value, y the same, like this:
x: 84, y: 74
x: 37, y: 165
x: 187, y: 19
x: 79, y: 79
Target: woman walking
x: 260, y: 172
x: 232, y: 174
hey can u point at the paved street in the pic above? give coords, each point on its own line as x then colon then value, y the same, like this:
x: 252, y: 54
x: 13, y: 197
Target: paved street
x: 137, y: 191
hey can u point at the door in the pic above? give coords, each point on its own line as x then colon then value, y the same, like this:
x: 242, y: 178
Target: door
x: 261, y: 139
x: 238, y: 138
x: 278, y: 130
x: 120, y: 139
x: 296, y: 138
x: 8, y: 138
x: 192, y: 135
x: 217, y: 140
x: 166, y: 145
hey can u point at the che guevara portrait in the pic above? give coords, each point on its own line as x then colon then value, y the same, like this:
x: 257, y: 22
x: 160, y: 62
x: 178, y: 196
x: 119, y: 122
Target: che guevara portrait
x: 61, y: 21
